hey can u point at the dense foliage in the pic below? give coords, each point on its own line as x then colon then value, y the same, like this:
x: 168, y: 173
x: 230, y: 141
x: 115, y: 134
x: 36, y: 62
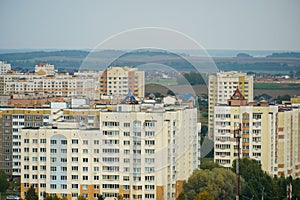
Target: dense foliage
x: 31, y: 194
x: 3, y: 181
x: 215, y: 182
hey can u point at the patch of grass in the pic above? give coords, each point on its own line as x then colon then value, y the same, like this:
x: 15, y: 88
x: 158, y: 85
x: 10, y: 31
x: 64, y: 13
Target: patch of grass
x: 273, y: 86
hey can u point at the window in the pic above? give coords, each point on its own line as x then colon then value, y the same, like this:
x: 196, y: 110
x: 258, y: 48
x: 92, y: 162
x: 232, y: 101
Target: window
x: 43, y: 167
x: 149, y: 133
x: 85, y: 178
x: 43, y: 158
x: 52, y: 151
x: 52, y: 141
x: 85, y: 142
x: 74, y: 141
x: 85, y: 160
x: 85, y: 169
x: 26, y: 141
x: 126, y: 124
x: 150, y: 142
x: 53, y: 169
x: 149, y: 178
x: 96, y: 142
x: 74, y: 150
x: 85, y: 151
x: 126, y: 134
x: 63, y: 142
x: 43, y: 141
x: 63, y: 151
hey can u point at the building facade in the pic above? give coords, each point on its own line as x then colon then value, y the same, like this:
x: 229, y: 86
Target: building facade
x: 118, y: 81
x: 4, y: 67
x: 138, y: 151
x: 220, y: 88
x: 269, y: 134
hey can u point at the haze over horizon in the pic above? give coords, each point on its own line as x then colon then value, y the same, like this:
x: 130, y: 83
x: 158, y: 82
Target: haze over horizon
x: 235, y: 25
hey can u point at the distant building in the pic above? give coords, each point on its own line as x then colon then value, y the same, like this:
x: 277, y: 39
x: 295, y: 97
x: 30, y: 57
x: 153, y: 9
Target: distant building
x: 111, y: 85
x: 4, y: 67
x: 116, y: 82
x: 141, y: 151
x: 220, y: 88
x: 44, y: 69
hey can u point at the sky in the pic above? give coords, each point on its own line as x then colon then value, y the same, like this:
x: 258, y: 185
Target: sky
x: 230, y: 24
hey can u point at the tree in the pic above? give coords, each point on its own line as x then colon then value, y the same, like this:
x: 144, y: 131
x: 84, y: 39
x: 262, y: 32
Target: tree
x: 3, y: 181
x: 48, y: 197
x: 204, y: 196
x: 170, y: 92
x: 81, y: 198
x: 31, y: 194
x: 219, y: 182
x: 101, y: 197
x: 120, y: 197
x: 181, y: 196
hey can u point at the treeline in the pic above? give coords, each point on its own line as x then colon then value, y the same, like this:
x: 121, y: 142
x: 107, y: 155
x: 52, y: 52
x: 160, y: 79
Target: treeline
x: 285, y: 55
x: 215, y: 182
x: 193, y: 78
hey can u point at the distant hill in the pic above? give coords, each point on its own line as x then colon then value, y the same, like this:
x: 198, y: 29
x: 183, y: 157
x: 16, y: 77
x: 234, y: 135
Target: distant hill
x: 243, y: 55
x: 285, y: 55
x: 72, y: 60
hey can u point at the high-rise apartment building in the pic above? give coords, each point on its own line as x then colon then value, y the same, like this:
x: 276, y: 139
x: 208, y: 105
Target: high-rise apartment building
x: 289, y: 141
x: 118, y: 81
x: 269, y: 134
x: 220, y: 88
x: 11, y: 123
x: 139, y: 151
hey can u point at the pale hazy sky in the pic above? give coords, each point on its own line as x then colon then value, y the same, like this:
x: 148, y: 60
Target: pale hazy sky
x: 230, y: 24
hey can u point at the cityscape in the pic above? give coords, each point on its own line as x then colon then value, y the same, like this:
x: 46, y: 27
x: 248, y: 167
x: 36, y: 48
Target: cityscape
x: 95, y: 106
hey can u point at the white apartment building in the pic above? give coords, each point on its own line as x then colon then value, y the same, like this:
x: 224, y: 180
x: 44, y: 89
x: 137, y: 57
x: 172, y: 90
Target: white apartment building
x: 4, y: 67
x: 140, y: 151
x: 220, y: 88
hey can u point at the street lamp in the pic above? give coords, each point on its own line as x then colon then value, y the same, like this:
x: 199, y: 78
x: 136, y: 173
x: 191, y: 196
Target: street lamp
x: 237, y: 135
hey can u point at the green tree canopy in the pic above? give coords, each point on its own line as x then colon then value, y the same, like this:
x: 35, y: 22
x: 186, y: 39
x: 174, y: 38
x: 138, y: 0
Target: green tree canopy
x: 3, y: 181
x: 219, y: 182
x: 31, y: 194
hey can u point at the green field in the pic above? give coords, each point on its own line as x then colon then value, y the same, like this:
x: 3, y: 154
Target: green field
x: 276, y: 86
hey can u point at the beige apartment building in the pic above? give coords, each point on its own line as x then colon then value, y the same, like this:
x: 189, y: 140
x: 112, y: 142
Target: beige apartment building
x: 142, y: 151
x: 270, y: 134
x: 118, y: 81
x: 220, y: 88
x: 289, y: 141
x: 113, y: 83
